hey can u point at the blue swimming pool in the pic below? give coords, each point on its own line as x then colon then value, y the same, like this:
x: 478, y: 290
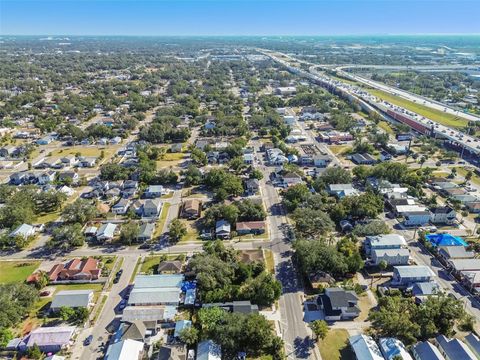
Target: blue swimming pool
x: 445, y: 240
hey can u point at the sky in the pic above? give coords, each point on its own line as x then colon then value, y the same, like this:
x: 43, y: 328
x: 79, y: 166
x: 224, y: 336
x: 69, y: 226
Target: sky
x: 238, y: 17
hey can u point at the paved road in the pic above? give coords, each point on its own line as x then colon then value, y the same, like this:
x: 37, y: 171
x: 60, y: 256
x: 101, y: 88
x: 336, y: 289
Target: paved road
x: 99, y: 330
x: 295, y: 332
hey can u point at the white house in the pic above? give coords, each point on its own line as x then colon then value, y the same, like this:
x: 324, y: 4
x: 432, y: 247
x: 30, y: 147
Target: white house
x: 442, y: 215
x: 416, y: 218
x: 24, y: 230
x: 384, y: 242
x: 365, y: 348
x: 393, y: 349
x: 391, y: 256
x: 121, y: 207
x: 407, y: 275
x: 106, y: 232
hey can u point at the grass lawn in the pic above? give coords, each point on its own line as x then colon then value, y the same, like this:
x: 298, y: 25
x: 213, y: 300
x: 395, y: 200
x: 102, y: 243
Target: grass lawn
x: 475, y: 178
x: 84, y: 151
x: 192, y: 232
x: 170, y: 159
x: 385, y: 126
x: 269, y: 261
x: 167, y: 196
x: 48, y: 217
x: 335, y: 346
x: 339, y: 149
x: 135, y: 270
x: 150, y: 264
x: 161, y: 220
x: 16, y: 271
x: 435, y: 115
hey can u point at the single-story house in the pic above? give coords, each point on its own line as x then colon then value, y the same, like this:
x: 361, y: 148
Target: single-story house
x: 252, y: 186
x: 72, y: 299
x: 172, y: 352
x: 393, y: 349
x: 170, y: 267
x: 339, y: 304
x: 75, y: 269
x: 145, y: 232
x: 342, y: 190
x: 24, y: 230
x: 448, y: 253
x: 426, y: 351
x: 454, y: 349
x: 121, y: 207
x: 365, y: 348
x: 154, y: 191
x: 460, y: 265
x: 250, y: 227
x: 407, y: 275
x: 363, y: 159
x: 222, y: 229
x: 471, y: 279
x: 106, y: 232
x: 208, y: 350
x: 125, y: 349
x: 51, y: 339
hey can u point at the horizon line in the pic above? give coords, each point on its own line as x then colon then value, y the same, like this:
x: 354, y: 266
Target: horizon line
x: 252, y: 35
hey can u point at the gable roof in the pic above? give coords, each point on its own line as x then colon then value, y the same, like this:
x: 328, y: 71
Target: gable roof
x: 427, y: 351
x: 170, y: 266
x: 124, y: 350
x: 53, y: 336
x: 365, y: 347
x: 454, y: 348
x: 72, y: 298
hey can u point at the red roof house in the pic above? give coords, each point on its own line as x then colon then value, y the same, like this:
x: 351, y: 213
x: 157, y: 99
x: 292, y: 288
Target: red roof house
x: 75, y: 269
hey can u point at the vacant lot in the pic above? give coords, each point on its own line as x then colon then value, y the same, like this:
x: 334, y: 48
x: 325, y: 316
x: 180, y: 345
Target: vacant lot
x: 435, y: 115
x: 335, y: 346
x: 16, y: 271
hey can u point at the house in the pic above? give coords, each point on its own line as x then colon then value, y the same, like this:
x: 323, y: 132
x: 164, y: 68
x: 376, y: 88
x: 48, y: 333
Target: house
x: 45, y: 140
x: 176, y: 148
x: 222, y: 229
x: 116, y: 140
x: 131, y: 330
x: 172, y: 352
x: 75, y: 269
x: 72, y: 299
x: 170, y: 267
x: 391, y: 256
x: 454, y: 349
x: 8, y: 151
x: 290, y: 179
x: 87, y: 161
x: 286, y: 90
x: 250, y: 227
x: 242, y: 307
x: 151, y: 316
x: 152, y: 290
x: 341, y: 190
x: 407, y: 275
x: 385, y: 156
x: 459, y: 265
x: 473, y: 343
x: 154, y: 191
x: 208, y: 350
x: 69, y: 160
x: 426, y: 351
x: 145, y: 232
x: 151, y: 207
x: 191, y: 209
x: 393, y: 349
x: 363, y: 159
x: 321, y: 161
x: 339, y: 304
x: 448, y: 253
x: 471, y: 279
x: 180, y: 326
x: 130, y: 184
x: 210, y: 125
x: 90, y: 231
x: 51, y: 339
x: 473, y: 207
x: 416, y: 218
x: 106, y: 232
x: 384, y: 242
x: 252, y: 186
x: 46, y: 177
x: 121, y: 207
x: 125, y: 350
x: 248, y: 159
x: 24, y: 231
x: 69, y: 176
x: 365, y: 348
x: 442, y: 215
x: 422, y: 290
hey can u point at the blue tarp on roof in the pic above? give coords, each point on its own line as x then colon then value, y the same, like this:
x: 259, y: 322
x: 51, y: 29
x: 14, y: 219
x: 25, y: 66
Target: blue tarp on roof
x: 445, y: 240
x: 187, y: 285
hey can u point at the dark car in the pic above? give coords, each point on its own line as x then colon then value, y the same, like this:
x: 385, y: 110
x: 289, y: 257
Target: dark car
x: 88, y: 340
x: 119, y: 273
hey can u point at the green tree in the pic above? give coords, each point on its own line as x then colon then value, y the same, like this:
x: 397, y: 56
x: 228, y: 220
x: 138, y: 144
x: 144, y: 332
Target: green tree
x: 319, y: 328
x: 310, y: 223
x: 129, y: 232
x: 80, y: 211
x: 189, y: 336
x: 34, y: 352
x: 5, y: 336
x: 176, y: 230
x: 295, y: 195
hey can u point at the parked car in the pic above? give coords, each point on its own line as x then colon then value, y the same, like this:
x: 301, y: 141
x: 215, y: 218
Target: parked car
x: 88, y: 340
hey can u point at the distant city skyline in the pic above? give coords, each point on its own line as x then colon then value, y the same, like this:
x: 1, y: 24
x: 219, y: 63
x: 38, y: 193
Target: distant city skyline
x: 234, y: 17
